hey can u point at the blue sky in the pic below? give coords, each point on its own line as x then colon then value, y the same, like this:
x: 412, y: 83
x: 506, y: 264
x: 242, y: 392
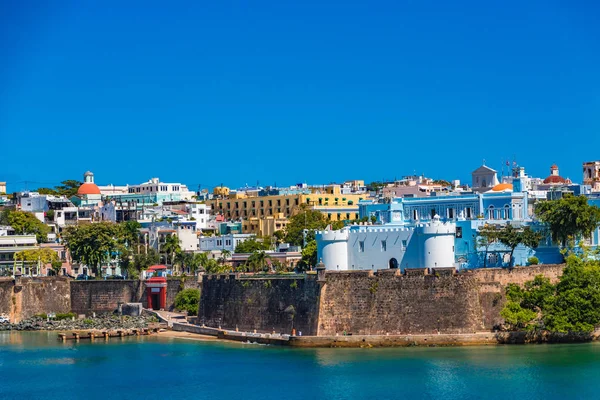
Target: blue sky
x: 306, y: 91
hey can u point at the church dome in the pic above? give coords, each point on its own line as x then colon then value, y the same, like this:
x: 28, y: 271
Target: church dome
x: 502, y: 187
x: 554, y: 178
x: 88, y: 188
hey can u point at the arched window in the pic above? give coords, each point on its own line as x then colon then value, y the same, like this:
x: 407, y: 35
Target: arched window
x: 393, y: 263
x: 491, y: 212
x: 507, y: 212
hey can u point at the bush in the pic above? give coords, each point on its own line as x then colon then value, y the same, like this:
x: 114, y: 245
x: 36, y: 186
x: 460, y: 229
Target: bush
x: 533, y: 261
x: 61, y: 316
x: 188, y: 300
x: 42, y: 316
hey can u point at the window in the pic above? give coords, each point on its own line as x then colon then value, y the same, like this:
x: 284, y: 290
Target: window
x: 415, y: 215
x: 219, y: 242
x: 404, y: 244
x: 383, y: 245
x: 451, y: 213
x: 227, y: 242
x: 469, y: 213
x: 361, y: 246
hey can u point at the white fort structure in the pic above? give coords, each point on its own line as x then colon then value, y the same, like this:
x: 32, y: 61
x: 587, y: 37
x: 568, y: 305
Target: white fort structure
x: 356, y: 247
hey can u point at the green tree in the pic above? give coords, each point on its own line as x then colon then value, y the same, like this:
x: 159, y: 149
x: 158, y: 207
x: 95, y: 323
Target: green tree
x: 40, y: 257
x: 26, y: 223
x: 308, y: 219
x: 93, y: 244
x: 188, y: 300
x: 568, y: 217
x: 251, y: 245
x: 309, y: 255
x: 170, y: 247
x: 225, y: 255
x: 486, y: 236
x: 68, y: 188
x: 142, y: 261
x: 511, y: 237
x: 257, y: 261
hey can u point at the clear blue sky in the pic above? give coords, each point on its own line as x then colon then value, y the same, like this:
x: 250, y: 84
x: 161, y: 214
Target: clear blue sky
x: 295, y: 91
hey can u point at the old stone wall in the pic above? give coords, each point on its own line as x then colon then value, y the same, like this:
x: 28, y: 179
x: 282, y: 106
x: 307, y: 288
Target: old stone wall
x: 365, y: 303
x: 174, y: 286
x: 6, y: 296
x: 26, y: 297
x: 262, y: 304
x: 103, y: 296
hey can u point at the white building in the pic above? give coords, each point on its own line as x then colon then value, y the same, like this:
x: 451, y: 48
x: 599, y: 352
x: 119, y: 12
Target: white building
x: 199, y: 212
x: 223, y: 242
x: 164, y: 191
x: 375, y: 247
x: 11, y: 244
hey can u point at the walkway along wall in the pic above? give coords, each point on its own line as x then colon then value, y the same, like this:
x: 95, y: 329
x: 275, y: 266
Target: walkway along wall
x: 364, y: 302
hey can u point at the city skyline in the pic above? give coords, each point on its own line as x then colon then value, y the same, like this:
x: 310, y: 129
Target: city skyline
x: 285, y: 93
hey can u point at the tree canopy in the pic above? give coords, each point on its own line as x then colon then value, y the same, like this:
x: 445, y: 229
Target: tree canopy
x: 568, y: 217
x: 94, y: 244
x: 188, y: 300
x: 67, y: 188
x: 307, y: 219
x: 571, y: 305
x: 252, y: 245
x: 25, y: 223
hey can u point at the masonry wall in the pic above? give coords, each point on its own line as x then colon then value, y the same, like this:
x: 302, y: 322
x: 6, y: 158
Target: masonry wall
x: 103, y: 296
x: 364, y: 302
x: 6, y: 296
x: 367, y: 303
x: 26, y: 297
x: 262, y: 304
x: 174, y: 286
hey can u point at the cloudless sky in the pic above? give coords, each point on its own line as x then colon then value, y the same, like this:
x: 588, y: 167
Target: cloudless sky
x: 210, y: 92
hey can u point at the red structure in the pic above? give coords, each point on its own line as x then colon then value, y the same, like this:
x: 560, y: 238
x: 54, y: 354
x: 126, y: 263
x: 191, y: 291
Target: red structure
x: 156, y: 288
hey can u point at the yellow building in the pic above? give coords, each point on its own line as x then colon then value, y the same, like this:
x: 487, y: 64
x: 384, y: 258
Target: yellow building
x: 2, y: 187
x: 328, y: 200
x: 265, y: 226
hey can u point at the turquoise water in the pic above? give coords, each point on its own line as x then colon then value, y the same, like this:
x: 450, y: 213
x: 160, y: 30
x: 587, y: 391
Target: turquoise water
x: 36, y: 365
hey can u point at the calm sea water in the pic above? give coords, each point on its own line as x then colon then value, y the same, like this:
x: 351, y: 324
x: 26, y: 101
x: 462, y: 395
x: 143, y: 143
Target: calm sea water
x: 37, y: 366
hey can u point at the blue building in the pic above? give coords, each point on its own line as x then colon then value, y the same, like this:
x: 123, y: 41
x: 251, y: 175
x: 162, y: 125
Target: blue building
x: 398, y: 239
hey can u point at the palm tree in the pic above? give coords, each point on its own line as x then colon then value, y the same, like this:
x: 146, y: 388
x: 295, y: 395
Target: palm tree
x: 225, y: 254
x: 201, y: 259
x: 257, y: 261
x: 171, y: 246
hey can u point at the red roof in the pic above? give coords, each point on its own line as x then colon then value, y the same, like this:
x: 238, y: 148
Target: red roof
x: 157, y: 267
x: 556, y: 179
x: 88, y: 188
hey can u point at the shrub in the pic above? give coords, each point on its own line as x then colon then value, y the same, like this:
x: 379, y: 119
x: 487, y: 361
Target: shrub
x: 188, y: 300
x: 88, y: 321
x: 42, y: 316
x: 61, y: 316
x: 533, y: 260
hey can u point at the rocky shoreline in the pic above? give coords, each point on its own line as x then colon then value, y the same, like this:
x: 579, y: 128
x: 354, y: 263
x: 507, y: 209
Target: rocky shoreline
x: 107, y: 322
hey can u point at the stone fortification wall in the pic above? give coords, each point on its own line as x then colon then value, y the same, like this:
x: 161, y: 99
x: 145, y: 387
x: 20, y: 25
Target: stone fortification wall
x: 256, y: 303
x: 367, y: 303
x: 104, y: 296
x: 174, y: 286
x: 6, y: 296
x: 26, y: 297
x: 363, y: 302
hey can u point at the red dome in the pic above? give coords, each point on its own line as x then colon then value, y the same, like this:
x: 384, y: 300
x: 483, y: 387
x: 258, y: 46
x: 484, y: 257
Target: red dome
x: 88, y: 188
x: 554, y: 179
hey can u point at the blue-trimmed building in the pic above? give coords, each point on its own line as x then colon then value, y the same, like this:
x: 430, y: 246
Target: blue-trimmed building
x: 405, y: 232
